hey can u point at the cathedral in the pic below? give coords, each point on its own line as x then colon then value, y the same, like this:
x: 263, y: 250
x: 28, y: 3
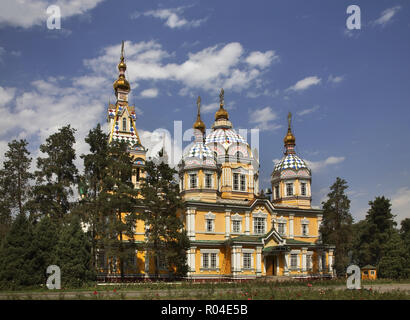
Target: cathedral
x: 235, y: 232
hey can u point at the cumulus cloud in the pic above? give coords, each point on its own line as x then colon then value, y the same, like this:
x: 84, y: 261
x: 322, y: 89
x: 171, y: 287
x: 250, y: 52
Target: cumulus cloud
x: 317, y: 166
x: 264, y: 118
x: 172, y: 17
x: 212, y: 68
x: 6, y: 95
x: 149, y: 93
x: 401, y: 204
x: 29, y: 13
x: 305, y: 83
x: 260, y: 59
x: 386, y: 16
x: 335, y: 79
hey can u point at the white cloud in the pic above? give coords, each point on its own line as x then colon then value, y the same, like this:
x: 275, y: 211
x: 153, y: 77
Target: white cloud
x: 29, y: 13
x: 307, y: 111
x: 149, y: 93
x: 317, y: 166
x: 335, y: 79
x: 386, y: 16
x: 260, y: 59
x: 209, y: 69
x: 401, y: 204
x: 305, y: 83
x: 263, y: 118
x: 172, y: 17
x: 6, y: 95
x: 209, y: 108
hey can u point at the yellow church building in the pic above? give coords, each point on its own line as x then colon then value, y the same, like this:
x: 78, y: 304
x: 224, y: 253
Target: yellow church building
x: 235, y: 232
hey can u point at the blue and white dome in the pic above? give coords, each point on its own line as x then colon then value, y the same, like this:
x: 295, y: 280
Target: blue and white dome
x: 290, y: 161
x: 199, y: 150
x: 225, y: 137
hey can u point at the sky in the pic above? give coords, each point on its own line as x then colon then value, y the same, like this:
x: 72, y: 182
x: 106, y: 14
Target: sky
x: 347, y: 89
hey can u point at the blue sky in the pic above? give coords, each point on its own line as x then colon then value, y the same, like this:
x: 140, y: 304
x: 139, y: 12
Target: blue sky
x: 347, y: 89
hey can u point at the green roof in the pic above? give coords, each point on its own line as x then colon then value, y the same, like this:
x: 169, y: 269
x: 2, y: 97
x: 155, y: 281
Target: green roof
x: 246, y: 239
x: 368, y: 267
x: 293, y: 241
x: 272, y: 249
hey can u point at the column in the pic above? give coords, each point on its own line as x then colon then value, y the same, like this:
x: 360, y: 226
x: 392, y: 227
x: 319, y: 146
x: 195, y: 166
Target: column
x: 291, y: 216
x: 227, y: 223
x: 190, y: 223
x: 191, y: 260
x: 258, y: 261
x: 277, y: 264
x: 319, y: 260
x: 319, y: 223
x: 286, y: 263
x: 247, y: 222
x: 304, y: 251
x: 331, y: 261
x: 146, y: 264
x: 274, y: 222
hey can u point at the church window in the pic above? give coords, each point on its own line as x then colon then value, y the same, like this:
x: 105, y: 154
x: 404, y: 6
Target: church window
x: 309, y: 262
x: 303, y: 188
x: 259, y: 225
x: 304, y: 229
x: 289, y: 189
x: 236, y: 226
x: 209, y: 225
x: 192, y: 181
x: 281, y: 228
x: 236, y: 181
x: 162, y: 262
x: 247, y: 260
x: 324, y: 261
x: 208, y: 180
x: 205, y: 260
x: 124, y: 124
x: 213, y: 260
x: 293, y: 261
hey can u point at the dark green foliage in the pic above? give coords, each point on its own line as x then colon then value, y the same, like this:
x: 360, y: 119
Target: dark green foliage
x: 73, y: 255
x: 375, y: 232
x: 393, y: 263
x: 16, y: 255
x: 55, y: 176
x: 405, y: 236
x: 44, y: 245
x: 161, y: 200
x: 336, y: 228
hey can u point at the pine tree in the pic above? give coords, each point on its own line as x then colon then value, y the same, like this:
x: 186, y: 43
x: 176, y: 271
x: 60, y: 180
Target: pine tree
x: 405, y: 235
x: 96, y: 165
x: 56, y: 175
x: 166, y: 237
x: 73, y: 255
x: 44, y: 245
x: 16, y: 255
x: 376, y: 232
x: 117, y: 204
x: 336, y: 228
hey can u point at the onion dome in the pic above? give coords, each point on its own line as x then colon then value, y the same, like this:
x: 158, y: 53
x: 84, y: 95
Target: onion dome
x: 226, y: 137
x: 221, y: 113
x: 199, y: 125
x: 290, y: 159
x: 121, y: 83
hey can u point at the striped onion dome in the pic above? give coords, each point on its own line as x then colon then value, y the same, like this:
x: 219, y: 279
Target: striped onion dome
x: 226, y: 137
x: 290, y: 161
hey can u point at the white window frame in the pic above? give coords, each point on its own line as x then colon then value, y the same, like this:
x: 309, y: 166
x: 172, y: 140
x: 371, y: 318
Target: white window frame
x: 210, y: 217
x: 236, y: 218
x: 236, y: 187
x: 301, y: 188
x: 208, y: 174
x: 251, y: 253
x: 287, y: 190
x: 242, y: 182
x: 277, y: 191
x: 294, y: 266
x: 190, y: 180
x: 305, y: 223
x: 206, y: 254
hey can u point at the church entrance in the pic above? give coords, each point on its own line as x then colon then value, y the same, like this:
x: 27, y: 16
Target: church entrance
x: 271, y: 265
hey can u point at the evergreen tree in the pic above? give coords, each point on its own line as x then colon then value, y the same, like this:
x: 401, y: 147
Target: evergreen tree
x: 73, y: 255
x: 96, y: 165
x: 336, y: 228
x: 376, y: 232
x: 393, y: 263
x: 166, y: 237
x: 44, y: 245
x: 56, y: 175
x: 16, y: 255
x: 117, y: 204
x: 405, y: 235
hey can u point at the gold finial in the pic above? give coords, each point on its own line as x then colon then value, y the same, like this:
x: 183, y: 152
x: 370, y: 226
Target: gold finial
x: 121, y: 82
x: 122, y: 49
x: 199, y: 125
x: 289, y: 139
x: 221, y: 97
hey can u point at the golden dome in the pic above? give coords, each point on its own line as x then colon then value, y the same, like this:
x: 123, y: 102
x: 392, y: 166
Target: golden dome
x: 121, y: 83
x: 221, y: 113
x: 122, y: 64
x: 199, y: 125
x: 289, y: 138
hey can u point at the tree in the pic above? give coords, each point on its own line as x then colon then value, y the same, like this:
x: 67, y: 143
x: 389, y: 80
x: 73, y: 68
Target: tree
x: 16, y: 255
x: 14, y: 183
x: 73, y: 254
x: 44, y: 245
x: 117, y: 204
x: 376, y: 232
x: 165, y: 235
x: 336, y: 228
x: 56, y: 175
x: 405, y: 235
x: 96, y: 165
x: 393, y: 263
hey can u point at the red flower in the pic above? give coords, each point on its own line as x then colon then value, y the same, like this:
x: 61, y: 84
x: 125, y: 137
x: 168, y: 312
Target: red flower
x: 309, y: 285
x: 115, y: 290
x: 95, y: 292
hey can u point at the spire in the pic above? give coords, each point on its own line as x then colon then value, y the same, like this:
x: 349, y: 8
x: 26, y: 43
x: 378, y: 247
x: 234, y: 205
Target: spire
x: 199, y: 125
x: 121, y: 84
x: 289, y: 139
x: 221, y: 113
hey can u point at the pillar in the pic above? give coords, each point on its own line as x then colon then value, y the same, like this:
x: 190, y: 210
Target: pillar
x: 304, y: 252
x: 247, y: 222
x: 258, y: 261
x: 291, y: 216
x: 227, y: 223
